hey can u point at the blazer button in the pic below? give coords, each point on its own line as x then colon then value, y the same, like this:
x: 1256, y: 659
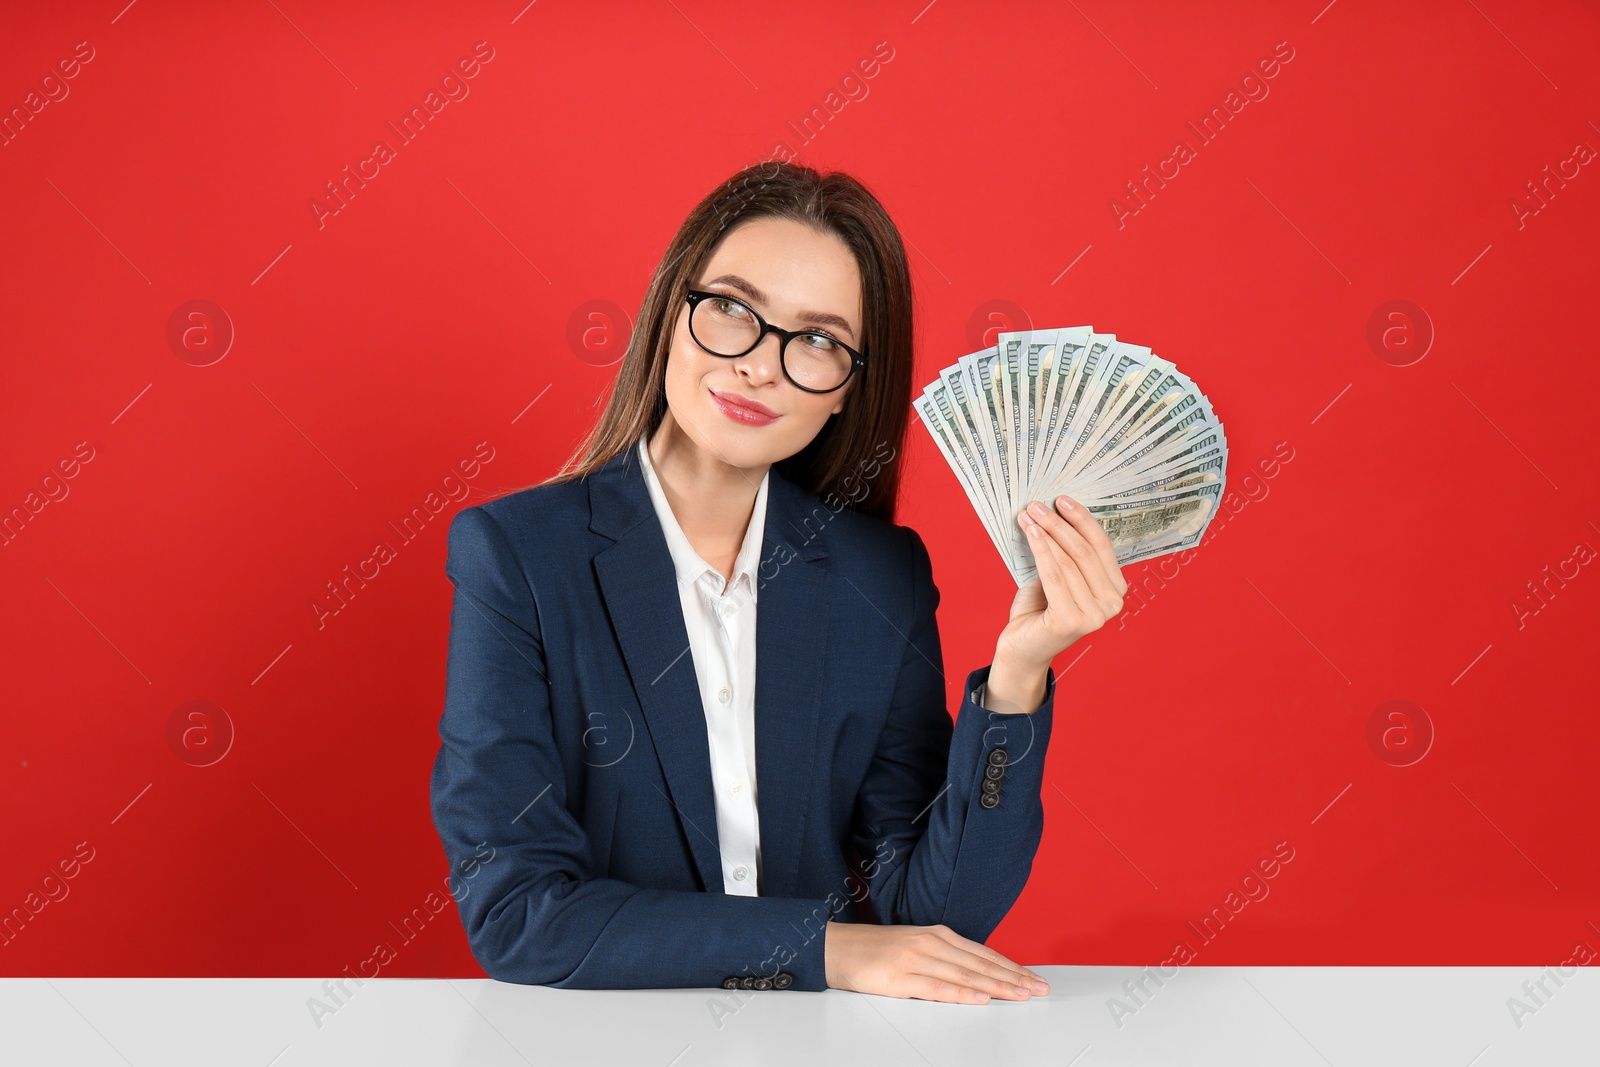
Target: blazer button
x: 989, y: 800
x: 991, y: 785
x: 994, y: 772
x: 763, y: 982
x: 997, y: 758
x: 782, y: 980
x: 747, y: 981
x: 731, y: 982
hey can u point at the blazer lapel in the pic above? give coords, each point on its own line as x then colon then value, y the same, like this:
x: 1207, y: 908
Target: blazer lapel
x: 793, y: 612
x: 639, y: 584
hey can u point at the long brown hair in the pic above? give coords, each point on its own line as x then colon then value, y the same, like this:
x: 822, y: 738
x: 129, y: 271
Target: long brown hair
x: 845, y: 454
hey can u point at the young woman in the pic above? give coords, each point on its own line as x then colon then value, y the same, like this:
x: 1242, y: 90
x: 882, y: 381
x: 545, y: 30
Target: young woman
x: 613, y: 710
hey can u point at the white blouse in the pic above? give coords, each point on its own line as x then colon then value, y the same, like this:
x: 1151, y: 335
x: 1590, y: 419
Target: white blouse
x: 721, y: 624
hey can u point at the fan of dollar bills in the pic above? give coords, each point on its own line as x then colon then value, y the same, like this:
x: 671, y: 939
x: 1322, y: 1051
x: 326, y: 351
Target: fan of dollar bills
x: 1070, y: 411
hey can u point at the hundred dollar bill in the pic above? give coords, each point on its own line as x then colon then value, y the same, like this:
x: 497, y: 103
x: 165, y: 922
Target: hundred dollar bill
x: 1046, y: 412
x: 1137, y: 525
x: 940, y: 423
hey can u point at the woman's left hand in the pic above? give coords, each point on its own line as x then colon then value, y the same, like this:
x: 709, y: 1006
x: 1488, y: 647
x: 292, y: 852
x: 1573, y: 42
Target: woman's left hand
x: 1079, y: 587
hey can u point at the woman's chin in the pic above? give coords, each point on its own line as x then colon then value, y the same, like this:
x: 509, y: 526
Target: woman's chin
x: 737, y: 450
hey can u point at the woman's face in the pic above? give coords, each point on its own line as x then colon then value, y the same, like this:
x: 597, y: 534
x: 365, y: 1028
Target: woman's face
x: 794, y: 277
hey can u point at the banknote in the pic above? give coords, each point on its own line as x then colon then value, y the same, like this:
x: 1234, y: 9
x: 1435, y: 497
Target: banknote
x: 1071, y: 411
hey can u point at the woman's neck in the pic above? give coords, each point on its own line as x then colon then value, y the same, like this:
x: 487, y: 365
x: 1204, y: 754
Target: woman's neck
x: 712, y: 500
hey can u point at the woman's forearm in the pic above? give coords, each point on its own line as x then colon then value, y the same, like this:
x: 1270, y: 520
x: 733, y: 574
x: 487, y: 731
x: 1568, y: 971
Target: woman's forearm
x: 1013, y: 688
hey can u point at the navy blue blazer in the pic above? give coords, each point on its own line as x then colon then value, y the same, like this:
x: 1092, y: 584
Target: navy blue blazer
x: 573, y: 792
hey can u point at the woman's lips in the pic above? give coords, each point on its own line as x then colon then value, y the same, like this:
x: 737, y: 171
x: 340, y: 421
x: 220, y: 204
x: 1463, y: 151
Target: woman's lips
x: 736, y: 411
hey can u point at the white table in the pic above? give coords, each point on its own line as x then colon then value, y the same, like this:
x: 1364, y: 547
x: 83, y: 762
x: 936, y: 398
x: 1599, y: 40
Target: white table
x: 1318, y: 1016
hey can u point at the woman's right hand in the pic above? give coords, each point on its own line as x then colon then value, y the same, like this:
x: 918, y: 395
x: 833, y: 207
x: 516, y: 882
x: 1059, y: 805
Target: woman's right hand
x: 922, y: 962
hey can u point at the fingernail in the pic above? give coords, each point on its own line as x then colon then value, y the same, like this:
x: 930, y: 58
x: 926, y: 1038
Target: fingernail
x: 1027, y: 520
x: 1041, y: 985
x: 1037, y: 508
x: 1021, y: 992
x: 982, y: 997
x: 1063, y: 503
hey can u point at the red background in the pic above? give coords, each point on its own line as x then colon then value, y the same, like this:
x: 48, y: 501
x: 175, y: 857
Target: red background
x: 1225, y: 712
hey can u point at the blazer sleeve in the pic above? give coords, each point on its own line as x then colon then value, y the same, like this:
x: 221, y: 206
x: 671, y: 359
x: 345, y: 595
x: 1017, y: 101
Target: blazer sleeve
x: 939, y: 853
x: 521, y: 868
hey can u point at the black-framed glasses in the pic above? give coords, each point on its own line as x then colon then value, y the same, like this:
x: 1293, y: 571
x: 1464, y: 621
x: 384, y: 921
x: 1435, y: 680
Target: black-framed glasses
x: 726, y: 326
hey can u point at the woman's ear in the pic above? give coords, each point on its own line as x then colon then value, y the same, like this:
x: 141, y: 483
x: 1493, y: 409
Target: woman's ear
x: 840, y: 405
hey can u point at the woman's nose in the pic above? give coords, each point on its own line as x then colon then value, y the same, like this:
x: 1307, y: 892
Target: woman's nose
x: 765, y: 360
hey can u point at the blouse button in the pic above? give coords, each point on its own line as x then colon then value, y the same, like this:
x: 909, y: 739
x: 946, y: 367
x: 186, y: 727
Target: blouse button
x: 739, y: 873
x: 724, y: 694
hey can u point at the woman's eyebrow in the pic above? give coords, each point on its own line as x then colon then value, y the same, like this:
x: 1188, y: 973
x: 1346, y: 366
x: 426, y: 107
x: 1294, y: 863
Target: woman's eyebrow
x: 821, y: 318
